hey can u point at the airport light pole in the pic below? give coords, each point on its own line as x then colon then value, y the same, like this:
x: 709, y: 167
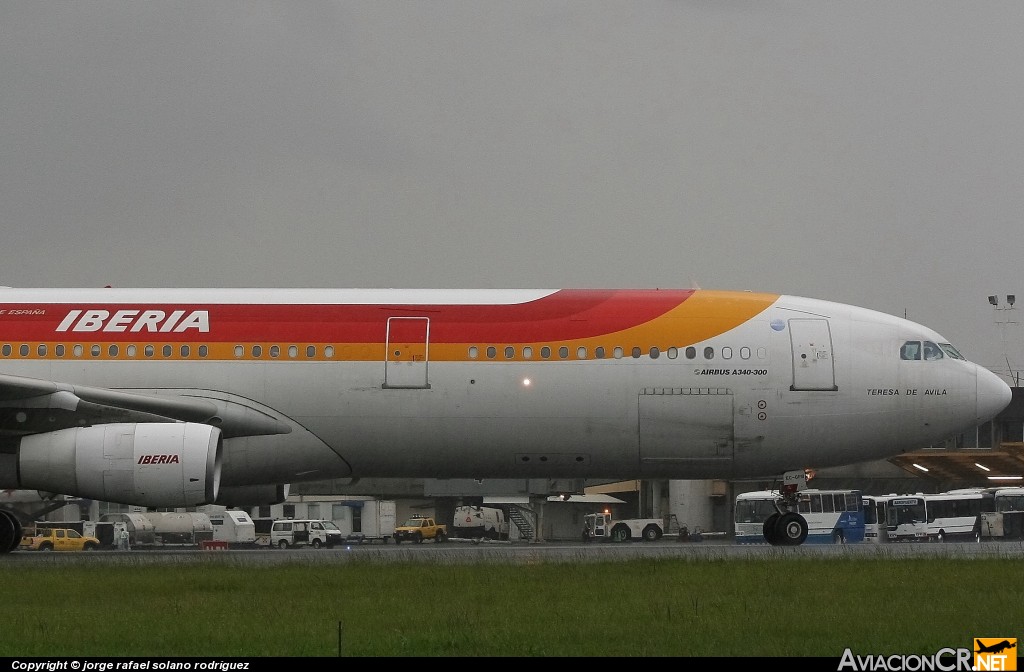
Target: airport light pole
x: 1004, y: 315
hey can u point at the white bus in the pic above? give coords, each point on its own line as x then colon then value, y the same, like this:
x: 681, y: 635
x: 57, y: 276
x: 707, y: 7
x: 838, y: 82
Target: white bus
x: 948, y: 516
x: 876, y: 509
x: 833, y: 516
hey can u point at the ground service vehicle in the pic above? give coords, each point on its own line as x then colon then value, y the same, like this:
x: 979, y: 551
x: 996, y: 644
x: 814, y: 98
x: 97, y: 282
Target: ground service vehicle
x: 479, y: 522
x: 315, y: 533
x: 371, y: 520
x: 1006, y: 520
x: 832, y: 516
x: 604, y: 527
x: 234, y: 527
x: 420, y: 528
x: 58, y: 539
x: 178, y: 397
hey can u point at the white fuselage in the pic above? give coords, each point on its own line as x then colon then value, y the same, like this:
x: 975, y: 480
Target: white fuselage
x: 799, y: 383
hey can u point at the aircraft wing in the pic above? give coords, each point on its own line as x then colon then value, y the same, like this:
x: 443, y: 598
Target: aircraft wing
x: 33, y: 405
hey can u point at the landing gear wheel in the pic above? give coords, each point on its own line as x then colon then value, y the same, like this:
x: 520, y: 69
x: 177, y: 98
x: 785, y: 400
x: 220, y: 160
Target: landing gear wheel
x: 791, y: 529
x: 768, y: 529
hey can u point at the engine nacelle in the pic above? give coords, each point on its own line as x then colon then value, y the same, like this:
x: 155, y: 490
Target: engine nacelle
x: 145, y: 464
x: 10, y: 531
x: 253, y: 495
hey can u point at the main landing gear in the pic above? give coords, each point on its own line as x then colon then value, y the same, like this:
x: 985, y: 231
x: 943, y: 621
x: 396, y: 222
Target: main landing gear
x: 786, y: 527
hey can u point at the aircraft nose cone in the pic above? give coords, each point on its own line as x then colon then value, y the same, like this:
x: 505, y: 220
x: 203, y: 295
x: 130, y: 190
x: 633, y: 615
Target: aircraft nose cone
x: 993, y: 395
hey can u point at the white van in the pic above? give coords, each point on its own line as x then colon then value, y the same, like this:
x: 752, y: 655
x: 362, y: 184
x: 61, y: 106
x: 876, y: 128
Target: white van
x: 316, y: 533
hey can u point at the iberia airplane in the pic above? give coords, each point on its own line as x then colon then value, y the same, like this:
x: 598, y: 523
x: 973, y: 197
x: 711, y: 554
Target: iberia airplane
x: 182, y: 397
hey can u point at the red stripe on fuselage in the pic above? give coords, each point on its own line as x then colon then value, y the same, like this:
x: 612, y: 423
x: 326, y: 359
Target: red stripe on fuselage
x: 566, y: 314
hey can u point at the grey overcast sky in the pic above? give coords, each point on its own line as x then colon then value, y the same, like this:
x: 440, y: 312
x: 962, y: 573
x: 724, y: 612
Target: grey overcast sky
x: 866, y: 152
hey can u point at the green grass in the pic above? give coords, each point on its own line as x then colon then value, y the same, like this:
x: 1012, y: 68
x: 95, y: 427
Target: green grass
x: 648, y: 607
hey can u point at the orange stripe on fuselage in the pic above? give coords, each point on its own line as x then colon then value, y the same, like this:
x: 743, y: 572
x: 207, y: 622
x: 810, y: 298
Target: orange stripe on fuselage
x: 703, y: 315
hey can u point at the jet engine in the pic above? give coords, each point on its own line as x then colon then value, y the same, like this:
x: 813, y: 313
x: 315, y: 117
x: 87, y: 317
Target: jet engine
x: 160, y: 464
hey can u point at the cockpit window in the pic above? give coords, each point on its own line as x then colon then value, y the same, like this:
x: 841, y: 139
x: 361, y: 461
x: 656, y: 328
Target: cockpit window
x: 911, y: 350
x: 928, y: 351
x: 951, y: 351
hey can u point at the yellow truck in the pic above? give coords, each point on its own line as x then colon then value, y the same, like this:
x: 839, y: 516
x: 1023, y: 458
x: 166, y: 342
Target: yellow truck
x: 419, y: 528
x: 57, y: 539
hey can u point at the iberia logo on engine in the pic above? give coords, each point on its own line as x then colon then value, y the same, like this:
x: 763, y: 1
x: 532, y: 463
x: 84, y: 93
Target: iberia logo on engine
x: 159, y: 459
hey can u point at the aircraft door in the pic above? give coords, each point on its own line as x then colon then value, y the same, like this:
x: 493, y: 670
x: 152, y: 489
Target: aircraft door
x: 689, y: 426
x: 813, y: 368
x: 405, y: 356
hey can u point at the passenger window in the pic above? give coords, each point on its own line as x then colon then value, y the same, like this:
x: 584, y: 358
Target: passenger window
x: 311, y: 351
x: 510, y: 352
x: 709, y: 352
x: 257, y: 351
x: 130, y: 350
x: 527, y: 352
x: 23, y: 350
x: 672, y: 352
x: 7, y: 350
x: 112, y: 351
x: 95, y: 350
x: 581, y: 353
x: 239, y: 351
x: 744, y: 353
x: 474, y: 352
x: 691, y: 352
x: 329, y: 352
x: 655, y: 353
x: 617, y: 352
x: 184, y: 351
x: 41, y: 350
x: 491, y: 352
x: 726, y: 353
x: 599, y: 352
x: 636, y: 352
x: 60, y: 349
x: 563, y: 352
x: 275, y: 351
x: 293, y: 351
x: 203, y: 350
x: 168, y: 351
x: 545, y: 352
x: 77, y: 350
